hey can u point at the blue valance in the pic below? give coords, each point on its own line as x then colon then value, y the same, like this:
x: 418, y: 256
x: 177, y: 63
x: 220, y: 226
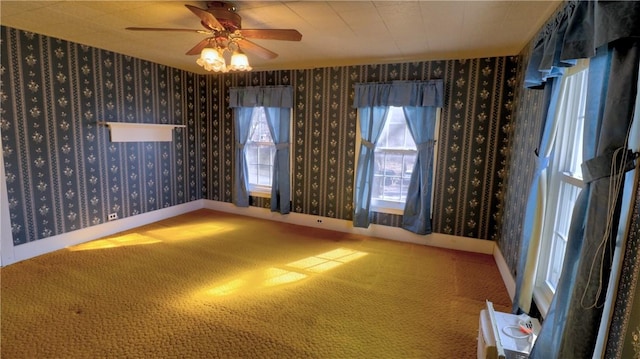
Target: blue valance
x: 400, y: 93
x: 576, y: 32
x: 261, y: 96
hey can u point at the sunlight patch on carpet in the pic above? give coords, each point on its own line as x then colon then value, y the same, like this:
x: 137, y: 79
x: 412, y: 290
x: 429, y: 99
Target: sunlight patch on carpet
x: 190, y: 231
x: 153, y: 233
x: 131, y: 239
x: 277, y: 276
x: 255, y: 280
x: 294, y: 272
x: 227, y: 288
x: 327, y: 260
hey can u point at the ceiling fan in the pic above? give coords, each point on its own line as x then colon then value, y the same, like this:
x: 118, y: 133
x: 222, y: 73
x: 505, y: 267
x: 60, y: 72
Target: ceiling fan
x: 223, y: 25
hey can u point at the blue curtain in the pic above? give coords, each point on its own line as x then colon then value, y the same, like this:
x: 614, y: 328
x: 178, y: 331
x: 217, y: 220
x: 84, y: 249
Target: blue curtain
x: 559, y: 310
x: 609, y: 34
x: 261, y: 96
x: 242, y: 120
x: 371, y: 125
x: 279, y: 120
x: 277, y: 101
x: 373, y: 101
x: 417, y: 210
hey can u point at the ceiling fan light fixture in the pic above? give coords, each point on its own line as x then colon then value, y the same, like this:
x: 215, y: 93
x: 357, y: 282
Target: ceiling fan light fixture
x: 211, y: 60
x: 223, y: 25
x: 209, y: 55
x: 239, y: 62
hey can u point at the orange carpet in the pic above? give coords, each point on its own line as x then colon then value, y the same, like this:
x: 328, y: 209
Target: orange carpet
x: 215, y: 285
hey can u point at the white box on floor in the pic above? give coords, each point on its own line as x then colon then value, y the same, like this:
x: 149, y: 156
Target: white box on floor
x: 513, y: 342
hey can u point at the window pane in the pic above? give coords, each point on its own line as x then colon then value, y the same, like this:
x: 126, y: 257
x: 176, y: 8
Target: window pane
x: 564, y: 179
x: 394, y: 159
x: 264, y: 154
x: 259, y: 151
x: 377, y: 187
x: 557, y: 257
x: 259, y: 128
x: 396, y: 135
x: 251, y: 155
x: 568, y: 194
x: 407, y: 168
x: 264, y: 175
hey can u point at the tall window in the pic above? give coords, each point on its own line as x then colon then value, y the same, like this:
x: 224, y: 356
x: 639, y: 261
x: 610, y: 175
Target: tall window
x: 259, y: 153
x: 565, y: 182
x: 395, y: 156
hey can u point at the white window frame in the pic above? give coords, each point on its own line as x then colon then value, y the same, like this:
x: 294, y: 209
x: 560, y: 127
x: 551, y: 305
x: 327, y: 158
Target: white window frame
x: 564, y: 174
x: 257, y: 190
x: 397, y: 207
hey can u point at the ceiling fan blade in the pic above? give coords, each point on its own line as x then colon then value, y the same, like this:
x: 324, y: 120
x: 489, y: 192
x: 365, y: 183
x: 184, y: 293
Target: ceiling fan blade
x: 166, y: 29
x: 196, y: 50
x: 272, y: 34
x: 209, y: 21
x: 256, y: 49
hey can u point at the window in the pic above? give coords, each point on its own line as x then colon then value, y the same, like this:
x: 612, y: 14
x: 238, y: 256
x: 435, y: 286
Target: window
x: 259, y: 153
x: 395, y: 156
x: 565, y: 182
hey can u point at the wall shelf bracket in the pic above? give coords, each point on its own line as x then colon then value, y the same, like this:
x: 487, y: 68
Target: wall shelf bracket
x: 140, y: 132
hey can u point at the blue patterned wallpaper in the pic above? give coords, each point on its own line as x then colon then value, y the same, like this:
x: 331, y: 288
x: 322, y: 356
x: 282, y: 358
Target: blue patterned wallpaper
x: 473, y: 142
x: 521, y: 165
x: 63, y: 173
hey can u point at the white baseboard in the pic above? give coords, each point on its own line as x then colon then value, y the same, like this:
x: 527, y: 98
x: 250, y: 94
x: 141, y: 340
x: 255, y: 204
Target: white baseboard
x: 507, y: 278
x: 54, y: 243
x: 6, y: 237
x: 340, y: 225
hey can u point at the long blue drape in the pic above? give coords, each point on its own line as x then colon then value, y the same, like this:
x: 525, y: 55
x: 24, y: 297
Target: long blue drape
x: 277, y: 101
x: 609, y: 33
x: 279, y: 120
x: 417, y: 210
x: 240, y: 193
x: 555, y: 321
x: 371, y: 125
x: 373, y: 101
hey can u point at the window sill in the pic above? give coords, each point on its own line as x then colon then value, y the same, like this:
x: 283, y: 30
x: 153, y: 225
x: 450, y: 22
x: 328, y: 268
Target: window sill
x: 573, y: 179
x: 257, y: 193
x: 543, y: 301
x: 389, y: 207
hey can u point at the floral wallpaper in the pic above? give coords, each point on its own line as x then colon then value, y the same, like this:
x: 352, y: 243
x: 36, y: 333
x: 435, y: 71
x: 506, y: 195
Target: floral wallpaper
x: 520, y: 164
x: 473, y: 145
x: 64, y: 174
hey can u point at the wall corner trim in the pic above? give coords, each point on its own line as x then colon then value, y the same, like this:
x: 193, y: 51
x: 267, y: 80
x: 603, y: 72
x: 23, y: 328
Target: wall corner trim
x: 6, y: 236
x: 507, y: 278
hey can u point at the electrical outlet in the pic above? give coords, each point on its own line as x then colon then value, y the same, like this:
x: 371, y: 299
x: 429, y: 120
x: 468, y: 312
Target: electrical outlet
x: 113, y: 216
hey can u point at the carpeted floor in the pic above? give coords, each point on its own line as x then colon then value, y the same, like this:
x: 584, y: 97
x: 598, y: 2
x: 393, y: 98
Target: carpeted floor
x: 215, y: 285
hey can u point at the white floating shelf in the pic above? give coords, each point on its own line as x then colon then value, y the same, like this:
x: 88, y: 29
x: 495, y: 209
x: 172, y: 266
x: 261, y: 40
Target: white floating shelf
x: 141, y: 132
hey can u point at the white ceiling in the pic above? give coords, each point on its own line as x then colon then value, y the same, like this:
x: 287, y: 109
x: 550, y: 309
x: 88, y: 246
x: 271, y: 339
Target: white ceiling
x: 334, y: 33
